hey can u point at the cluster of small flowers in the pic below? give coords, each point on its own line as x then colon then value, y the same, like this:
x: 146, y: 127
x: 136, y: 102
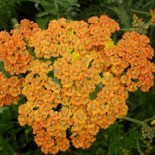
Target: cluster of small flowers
x: 10, y: 89
x: 71, y: 59
x: 13, y: 52
x: 152, y: 13
x: 130, y: 61
x: 147, y: 132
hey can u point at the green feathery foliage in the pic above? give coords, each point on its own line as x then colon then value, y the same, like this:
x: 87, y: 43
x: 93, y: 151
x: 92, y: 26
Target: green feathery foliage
x: 8, y: 10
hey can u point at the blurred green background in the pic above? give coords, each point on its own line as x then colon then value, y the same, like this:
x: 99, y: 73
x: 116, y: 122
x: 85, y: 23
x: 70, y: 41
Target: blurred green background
x: 123, y: 137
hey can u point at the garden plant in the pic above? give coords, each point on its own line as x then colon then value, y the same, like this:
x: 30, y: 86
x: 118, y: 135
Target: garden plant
x: 77, y: 86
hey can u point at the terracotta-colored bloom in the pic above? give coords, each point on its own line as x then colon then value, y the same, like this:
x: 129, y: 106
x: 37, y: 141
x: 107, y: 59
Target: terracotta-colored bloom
x: 75, y: 79
x: 10, y: 89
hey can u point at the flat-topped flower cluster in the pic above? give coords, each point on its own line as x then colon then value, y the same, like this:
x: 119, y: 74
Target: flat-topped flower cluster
x: 58, y: 71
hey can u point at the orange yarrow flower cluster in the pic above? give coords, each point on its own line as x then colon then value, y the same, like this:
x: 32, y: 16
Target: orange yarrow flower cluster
x: 137, y: 52
x: 10, y: 89
x: 72, y: 59
x: 14, y: 52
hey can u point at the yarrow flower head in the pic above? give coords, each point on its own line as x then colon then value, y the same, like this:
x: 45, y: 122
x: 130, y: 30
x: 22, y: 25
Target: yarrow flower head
x: 10, y: 89
x: 62, y: 67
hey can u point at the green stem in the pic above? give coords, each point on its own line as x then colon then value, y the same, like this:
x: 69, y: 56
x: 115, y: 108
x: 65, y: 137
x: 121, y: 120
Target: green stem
x: 138, y: 121
x: 149, y: 119
x: 141, y: 12
x: 138, y: 147
x: 133, y: 120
